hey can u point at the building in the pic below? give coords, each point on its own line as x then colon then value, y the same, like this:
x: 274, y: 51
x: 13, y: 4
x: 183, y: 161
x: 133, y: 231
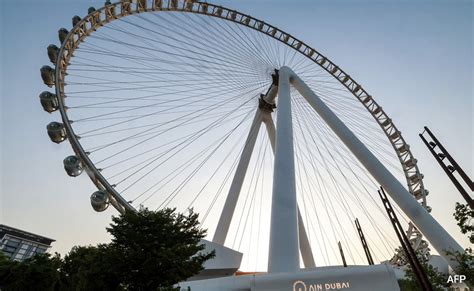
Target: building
x: 19, y: 245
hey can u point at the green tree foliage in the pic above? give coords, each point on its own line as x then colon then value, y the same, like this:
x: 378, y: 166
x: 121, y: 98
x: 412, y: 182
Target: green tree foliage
x: 410, y: 282
x: 40, y: 272
x: 149, y: 251
x: 466, y: 265
x: 156, y: 249
x: 437, y: 279
x: 89, y: 268
x: 464, y: 215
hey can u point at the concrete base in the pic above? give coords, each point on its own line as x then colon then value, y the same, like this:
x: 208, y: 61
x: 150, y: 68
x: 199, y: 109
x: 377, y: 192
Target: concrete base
x: 225, y: 263
x: 362, y: 278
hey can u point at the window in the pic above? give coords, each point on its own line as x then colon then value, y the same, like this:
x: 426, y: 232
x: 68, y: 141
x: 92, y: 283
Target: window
x: 13, y: 239
x: 12, y: 243
x: 9, y: 249
x: 18, y: 257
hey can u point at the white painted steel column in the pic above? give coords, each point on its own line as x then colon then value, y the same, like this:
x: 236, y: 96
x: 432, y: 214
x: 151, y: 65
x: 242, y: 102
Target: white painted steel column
x: 305, y: 246
x: 284, y: 251
x: 431, y: 229
x: 271, y: 95
x: 239, y: 176
x: 270, y: 126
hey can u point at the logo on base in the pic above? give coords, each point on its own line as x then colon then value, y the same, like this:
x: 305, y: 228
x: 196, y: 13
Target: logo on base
x: 302, y: 286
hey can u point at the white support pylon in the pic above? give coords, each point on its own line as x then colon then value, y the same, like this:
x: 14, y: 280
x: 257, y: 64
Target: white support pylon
x: 305, y: 246
x: 284, y: 247
x: 239, y: 176
x: 439, y: 238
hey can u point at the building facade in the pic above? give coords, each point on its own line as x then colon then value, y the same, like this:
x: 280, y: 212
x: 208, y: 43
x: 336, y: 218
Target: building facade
x: 20, y: 245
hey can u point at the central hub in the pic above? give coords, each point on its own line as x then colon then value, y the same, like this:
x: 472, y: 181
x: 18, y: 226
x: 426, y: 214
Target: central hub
x: 266, y: 102
x: 264, y: 105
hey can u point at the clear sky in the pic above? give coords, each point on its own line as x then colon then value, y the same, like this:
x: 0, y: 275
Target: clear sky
x: 414, y: 57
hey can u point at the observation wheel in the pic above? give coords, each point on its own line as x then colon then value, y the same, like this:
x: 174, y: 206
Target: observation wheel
x: 173, y: 103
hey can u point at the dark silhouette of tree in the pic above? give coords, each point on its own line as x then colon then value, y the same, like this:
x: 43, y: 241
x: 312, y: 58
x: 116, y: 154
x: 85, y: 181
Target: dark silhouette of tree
x: 150, y: 250
x: 40, y: 272
x: 156, y: 249
x: 89, y: 268
x: 410, y: 282
x: 464, y: 216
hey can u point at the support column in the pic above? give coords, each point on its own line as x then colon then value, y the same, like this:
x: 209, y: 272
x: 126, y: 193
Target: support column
x: 431, y: 229
x: 284, y: 250
x: 239, y: 176
x: 305, y: 246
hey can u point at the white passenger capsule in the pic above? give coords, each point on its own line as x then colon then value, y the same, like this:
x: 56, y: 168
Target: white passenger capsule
x: 73, y: 166
x: 49, y: 101
x: 62, y: 34
x: 53, y: 52
x: 47, y: 74
x: 75, y: 20
x: 56, y: 132
x: 100, y: 200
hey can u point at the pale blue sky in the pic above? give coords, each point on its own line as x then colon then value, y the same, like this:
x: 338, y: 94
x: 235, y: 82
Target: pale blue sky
x: 414, y: 57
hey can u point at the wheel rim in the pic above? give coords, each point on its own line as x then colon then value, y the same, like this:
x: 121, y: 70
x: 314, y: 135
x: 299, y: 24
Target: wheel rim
x: 103, y: 16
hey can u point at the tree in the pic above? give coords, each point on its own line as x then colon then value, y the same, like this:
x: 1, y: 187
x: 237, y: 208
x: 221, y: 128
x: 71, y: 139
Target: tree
x: 149, y: 251
x: 89, y: 268
x: 466, y: 264
x: 152, y: 250
x: 40, y: 272
x: 464, y: 215
x: 410, y: 282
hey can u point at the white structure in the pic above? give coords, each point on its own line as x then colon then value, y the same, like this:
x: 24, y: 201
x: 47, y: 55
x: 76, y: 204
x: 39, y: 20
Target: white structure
x: 431, y: 229
x: 285, y: 232
x: 360, y: 278
x: 225, y: 263
x: 288, y: 235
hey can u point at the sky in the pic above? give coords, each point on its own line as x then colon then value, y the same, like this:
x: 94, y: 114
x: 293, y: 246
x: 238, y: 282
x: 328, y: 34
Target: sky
x: 414, y: 57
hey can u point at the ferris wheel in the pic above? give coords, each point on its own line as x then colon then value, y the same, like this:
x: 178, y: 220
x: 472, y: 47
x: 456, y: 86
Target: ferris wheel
x: 192, y: 105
